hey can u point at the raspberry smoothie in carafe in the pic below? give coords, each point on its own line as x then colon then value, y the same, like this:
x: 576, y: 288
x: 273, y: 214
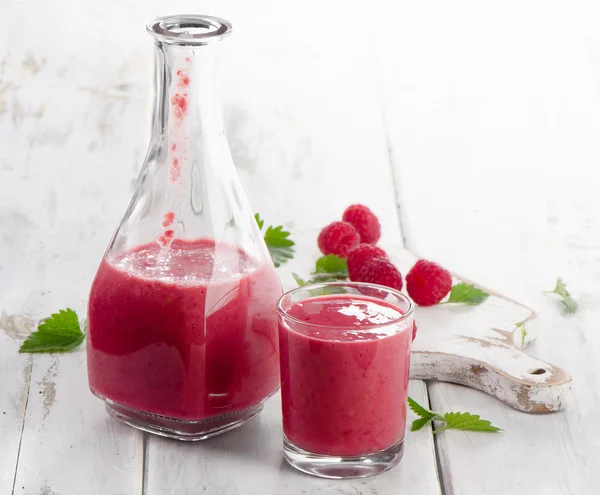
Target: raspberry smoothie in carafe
x: 182, y: 312
x: 191, y: 336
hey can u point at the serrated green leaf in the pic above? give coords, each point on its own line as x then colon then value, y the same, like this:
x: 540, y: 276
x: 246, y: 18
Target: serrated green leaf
x: 426, y: 416
x: 321, y: 278
x: 259, y: 221
x: 561, y: 288
x: 332, y: 264
x: 466, y: 421
x: 278, y: 242
x: 299, y: 280
x: 455, y: 421
x: 419, y: 410
x: 466, y: 294
x: 417, y: 424
x: 570, y: 304
x: 521, y: 325
x: 59, y: 333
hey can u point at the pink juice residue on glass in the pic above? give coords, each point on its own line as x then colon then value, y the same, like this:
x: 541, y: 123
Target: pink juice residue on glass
x: 187, y: 332
x: 344, y: 383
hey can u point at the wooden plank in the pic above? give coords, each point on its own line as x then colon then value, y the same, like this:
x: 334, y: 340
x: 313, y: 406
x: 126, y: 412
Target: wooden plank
x: 249, y: 461
x: 492, y: 140
x: 15, y: 373
x: 65, y: 172
x: 308, y: 141
x: 69, y: 443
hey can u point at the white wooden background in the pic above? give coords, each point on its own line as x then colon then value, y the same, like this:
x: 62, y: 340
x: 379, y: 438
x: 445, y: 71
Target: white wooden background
x: 470, y: 127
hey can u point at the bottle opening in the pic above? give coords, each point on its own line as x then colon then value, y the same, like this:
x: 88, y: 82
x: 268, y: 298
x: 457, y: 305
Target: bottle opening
x: 189, y: 29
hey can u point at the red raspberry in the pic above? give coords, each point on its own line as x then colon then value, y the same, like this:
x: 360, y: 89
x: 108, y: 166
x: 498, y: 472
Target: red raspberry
x: 338, y: 238
x: 380, y: 271
x: 428, y: 283
x: 414, y: 330
x: 358, y: 257
x: 364, y: 221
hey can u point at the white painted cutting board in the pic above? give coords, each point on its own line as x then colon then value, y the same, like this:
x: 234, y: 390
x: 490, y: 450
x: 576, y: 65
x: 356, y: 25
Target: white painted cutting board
x: 477, y: 346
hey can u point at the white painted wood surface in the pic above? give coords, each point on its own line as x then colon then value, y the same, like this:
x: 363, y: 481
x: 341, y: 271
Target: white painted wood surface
x: 77, y: 161
x: 492, y: 116
x: 492, y: 112
x: 249, y: 462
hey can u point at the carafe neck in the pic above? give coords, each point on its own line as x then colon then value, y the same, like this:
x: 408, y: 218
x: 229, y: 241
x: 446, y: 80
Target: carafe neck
x: 186, y: 70
x: 187, y: 93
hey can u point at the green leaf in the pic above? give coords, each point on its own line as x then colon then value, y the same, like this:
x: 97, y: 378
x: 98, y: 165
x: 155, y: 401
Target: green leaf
x: 426, y: 416
x: 466, y: 421
x: 299, y: 280
x: 521, y: 326
x: 277, y: 241
x: 571, y: 304
x: 453, y: 421
x: 332, y: 264
x: 320, y: 278
x: 279, y: 245
x: 59, y: 333
x: 417, y: 424
x: 466, y: 294
x: 259, y: 221
x: 419, y: 410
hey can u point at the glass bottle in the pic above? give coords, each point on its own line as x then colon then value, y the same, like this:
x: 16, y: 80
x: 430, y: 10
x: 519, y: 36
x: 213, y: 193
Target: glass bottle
x: 182, y: 312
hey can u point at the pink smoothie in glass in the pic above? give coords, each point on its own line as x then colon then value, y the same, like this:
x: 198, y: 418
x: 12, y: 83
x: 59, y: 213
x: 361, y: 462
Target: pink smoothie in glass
x: 344, y: 382
x: 188, y: 332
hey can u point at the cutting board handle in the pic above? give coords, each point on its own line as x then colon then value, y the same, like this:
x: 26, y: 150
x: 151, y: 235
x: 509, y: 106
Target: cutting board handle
x: 527, y: 384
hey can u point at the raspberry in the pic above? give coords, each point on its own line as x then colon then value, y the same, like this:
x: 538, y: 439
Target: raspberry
x: 380, y: 271
x: 428, y: 283
x: 364, y: 221
x: 414, y: 330
x: 338, y: 238
x: 359, y: 256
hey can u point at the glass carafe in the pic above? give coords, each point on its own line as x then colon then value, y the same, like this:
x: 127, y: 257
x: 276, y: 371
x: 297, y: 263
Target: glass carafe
x: 182, y: 312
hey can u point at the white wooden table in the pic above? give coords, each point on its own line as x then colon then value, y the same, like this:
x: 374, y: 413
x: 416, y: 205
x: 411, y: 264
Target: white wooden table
x: 471, y: 128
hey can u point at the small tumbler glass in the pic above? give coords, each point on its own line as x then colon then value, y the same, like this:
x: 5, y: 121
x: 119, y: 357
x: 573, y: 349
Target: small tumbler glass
x: 345, y: 359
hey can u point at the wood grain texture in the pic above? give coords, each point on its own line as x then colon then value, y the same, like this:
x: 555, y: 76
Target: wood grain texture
x: 249, y: 461
x: 315, y: 148
x: 69, y: 443
x: 494, y: 146
x: 15, y: 373
x: 304, y: 123
x: 492, y: 119
x: 65, y: 174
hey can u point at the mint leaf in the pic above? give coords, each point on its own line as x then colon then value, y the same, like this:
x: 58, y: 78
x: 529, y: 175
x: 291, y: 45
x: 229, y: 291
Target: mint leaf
x: 453, y: 421
x: 521, y: 326
x: 299, y: 280
x: 59, y: 333
x: 571, y: 304
x: 417, y: 424
x: 466, y: 294
x: 259, y: 221
x: 466, y: 421
x: 277, y: 241
x: 426, y: 416
x: 330, y: 268
x: 332, y: 264
x: 279, y: 245
x: 419, y: 410
x: 320, y: 278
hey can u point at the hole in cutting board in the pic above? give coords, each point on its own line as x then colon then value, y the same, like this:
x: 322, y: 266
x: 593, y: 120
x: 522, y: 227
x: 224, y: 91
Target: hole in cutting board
x: 539, y: 371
